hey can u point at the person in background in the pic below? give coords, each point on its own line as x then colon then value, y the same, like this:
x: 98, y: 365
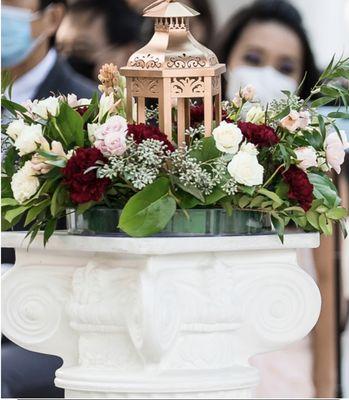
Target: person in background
x: 266, y: 45
x: 202, y: 27
x: 28, y: 28
x: 27, y: 31
x: 95, y: 32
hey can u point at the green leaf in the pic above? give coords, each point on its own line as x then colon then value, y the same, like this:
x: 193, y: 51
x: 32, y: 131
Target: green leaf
x: 12, y: 107
x: 85, y: 206
x: 15, y: 212
x: 322, y: 101
x: 9, y: 164
x: 257, y: 201
x: 70, y: 126
x: 49, y: 229
x: 313, y: 219
x: 189, y: 189
x: 57, y: 201
x: 282, y: 114
x: 244, y: 201
x: 215, y: 196
x: 208, y: 150
x: 186, y: 200
x: 36, y: 210
x: 337, y: 213
x: 9, y: 202
x: 337, y: 114
x: 228, y: 207
x: 322, y: 222
x: 149, y: 211
x: 324, y: 189
x: 271, y: 195
x: 282, y: 190
x: 279, y: 225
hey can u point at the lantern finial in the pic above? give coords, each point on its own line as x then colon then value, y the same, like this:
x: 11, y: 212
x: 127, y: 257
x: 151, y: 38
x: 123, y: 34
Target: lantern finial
x: 169, y: 9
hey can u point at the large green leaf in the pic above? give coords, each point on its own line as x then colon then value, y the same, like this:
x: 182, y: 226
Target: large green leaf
x: 208, y: 151
x: 149, y: 211
x: 324, y: 189
x: 68, y: 127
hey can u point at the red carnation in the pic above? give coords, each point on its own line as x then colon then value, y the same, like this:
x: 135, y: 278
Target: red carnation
x: 85, y: 187
x: 143, y: 132
x: 301, y: 190
x: 260, y: 135
x: 197, y: 115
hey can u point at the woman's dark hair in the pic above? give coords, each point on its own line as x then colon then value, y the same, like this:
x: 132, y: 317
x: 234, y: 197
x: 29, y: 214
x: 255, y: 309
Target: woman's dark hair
x: 122, y: 24
x: 271, y: 10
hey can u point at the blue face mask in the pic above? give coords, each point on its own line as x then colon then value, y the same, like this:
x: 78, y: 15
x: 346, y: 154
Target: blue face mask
x: 16, y: 35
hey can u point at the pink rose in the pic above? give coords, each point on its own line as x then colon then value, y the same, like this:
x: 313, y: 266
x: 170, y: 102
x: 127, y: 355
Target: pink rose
x: 307, y: 157
x: 335, y: 146
x: 248, y: 92
x: 111, y: 136
x: 296, y: 120
x: 304, y: 119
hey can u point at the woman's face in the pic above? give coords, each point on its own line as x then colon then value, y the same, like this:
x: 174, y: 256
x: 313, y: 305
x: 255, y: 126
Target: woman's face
x: 269, y: 44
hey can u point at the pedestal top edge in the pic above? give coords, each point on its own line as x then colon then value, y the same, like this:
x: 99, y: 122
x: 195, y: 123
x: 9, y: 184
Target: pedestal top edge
x: 162, y: 245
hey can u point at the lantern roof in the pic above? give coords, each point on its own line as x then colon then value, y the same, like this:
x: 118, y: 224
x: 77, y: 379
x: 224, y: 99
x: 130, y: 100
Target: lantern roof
x: 172, y: 51
x: 169, y: 9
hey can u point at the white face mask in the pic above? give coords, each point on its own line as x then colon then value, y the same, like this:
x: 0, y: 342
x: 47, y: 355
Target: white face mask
x: 267, y: 81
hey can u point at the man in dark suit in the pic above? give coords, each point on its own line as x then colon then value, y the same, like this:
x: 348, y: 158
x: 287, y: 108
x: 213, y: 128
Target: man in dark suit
x: 27, y: 33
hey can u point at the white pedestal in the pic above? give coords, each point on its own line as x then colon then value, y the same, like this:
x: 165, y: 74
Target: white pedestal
x: 158, y: 317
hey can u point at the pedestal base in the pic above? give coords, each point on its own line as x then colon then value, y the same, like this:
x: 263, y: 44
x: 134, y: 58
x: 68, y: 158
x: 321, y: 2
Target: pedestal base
x: 160, y: 317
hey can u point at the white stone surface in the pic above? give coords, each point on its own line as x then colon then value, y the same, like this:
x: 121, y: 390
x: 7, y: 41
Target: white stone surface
x: 158, y: 317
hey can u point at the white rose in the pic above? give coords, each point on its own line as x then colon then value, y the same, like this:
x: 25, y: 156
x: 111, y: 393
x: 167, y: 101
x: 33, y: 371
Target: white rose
x: 245, y: 169
x: 28, y: 141
x: 24, y: 183
x: 106, y: 105
x: 307, y: 157
x: 15, y: 128
x: 256, y: 115
x: 46, y: 107
x: 228, y: 137
x: 249, y: 148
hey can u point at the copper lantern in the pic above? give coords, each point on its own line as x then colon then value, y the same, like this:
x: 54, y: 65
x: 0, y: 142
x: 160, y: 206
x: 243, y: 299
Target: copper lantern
x: 175, y: 69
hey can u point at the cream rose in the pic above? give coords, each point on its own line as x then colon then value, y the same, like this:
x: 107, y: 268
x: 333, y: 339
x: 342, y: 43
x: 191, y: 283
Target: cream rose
x: 24, y: 183
x: 227, y: 137
x: 296, y: 120
x: 91, y: 130
x: 335, y: 146
x: 256, y: 115
x: 45, y: 108
x: 307, y: 157
x: 30, y: 138
x: 245, y: 169
x: 15, y: 128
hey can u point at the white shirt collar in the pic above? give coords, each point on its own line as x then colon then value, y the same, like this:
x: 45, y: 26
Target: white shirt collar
x: 25, y: 87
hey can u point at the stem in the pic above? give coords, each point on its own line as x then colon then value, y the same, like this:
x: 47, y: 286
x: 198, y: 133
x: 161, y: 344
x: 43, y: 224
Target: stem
x: 273, y: 176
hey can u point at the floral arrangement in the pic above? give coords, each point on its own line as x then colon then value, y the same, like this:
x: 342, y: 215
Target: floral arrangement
x: 63, y: 153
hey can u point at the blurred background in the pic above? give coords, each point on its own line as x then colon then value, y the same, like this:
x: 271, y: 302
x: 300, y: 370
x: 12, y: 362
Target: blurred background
x: 59, y: 46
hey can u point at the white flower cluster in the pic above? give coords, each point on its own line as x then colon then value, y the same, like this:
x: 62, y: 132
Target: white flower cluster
x: 190, y: 172
x: 140, y: 165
